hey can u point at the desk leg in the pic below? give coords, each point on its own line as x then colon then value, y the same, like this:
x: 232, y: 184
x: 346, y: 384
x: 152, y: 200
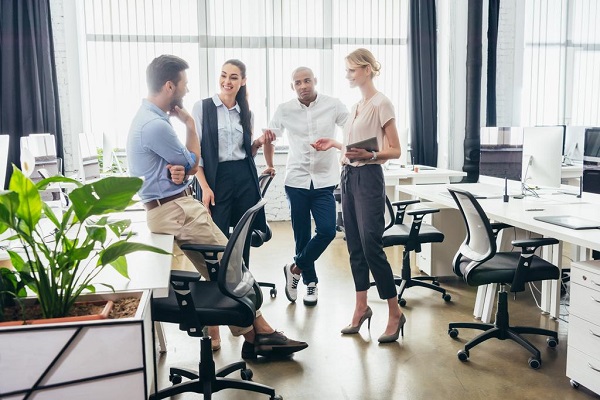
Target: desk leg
x: 162, y: 339
x: 488, y: 305
x: 550, y: 301
x: 479, y: 300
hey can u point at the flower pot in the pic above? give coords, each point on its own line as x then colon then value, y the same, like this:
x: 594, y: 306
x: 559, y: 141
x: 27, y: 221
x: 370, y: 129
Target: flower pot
x: 103, y: 358
x: 108, y: 306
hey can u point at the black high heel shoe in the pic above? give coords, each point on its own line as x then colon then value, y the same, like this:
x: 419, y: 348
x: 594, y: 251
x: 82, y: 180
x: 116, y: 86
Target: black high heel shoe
x: 354, y: 329
x: 394, y: 336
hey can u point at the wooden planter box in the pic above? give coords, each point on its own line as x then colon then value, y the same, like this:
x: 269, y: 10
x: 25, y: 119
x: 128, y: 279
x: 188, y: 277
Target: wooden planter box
x: 104, y: 359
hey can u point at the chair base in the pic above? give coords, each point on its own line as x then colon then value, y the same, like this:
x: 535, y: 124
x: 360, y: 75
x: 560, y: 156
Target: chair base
x: 502, y: 330
x: 406, y: 281
x: 273, y: 291
x: 208, y: 381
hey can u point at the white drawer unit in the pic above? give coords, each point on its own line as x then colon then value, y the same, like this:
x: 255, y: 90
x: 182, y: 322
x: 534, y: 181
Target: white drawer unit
x: 583, y: 354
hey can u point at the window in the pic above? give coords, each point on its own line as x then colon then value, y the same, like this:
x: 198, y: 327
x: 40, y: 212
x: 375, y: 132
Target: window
x: 272, y: 37
x: 561, y: 68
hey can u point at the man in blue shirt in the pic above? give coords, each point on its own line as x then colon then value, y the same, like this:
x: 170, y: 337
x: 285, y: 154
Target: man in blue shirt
x: 155, y: 153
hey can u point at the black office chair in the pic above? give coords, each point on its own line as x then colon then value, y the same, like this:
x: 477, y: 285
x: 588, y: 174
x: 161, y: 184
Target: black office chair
x: 230, y: 300
x: 478, y: 263
x: 411, y: 237
x: 259, y: 237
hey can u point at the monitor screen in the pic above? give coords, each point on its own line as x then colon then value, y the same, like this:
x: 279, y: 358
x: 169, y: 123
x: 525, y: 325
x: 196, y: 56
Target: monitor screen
x: 542, y: 156
x: 591, y: 147
x: 501, y: 152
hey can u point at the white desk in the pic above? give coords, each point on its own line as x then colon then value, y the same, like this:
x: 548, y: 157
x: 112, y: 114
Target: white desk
x: 516, y: 213
x: 147, y: 270
x: 394, y: 175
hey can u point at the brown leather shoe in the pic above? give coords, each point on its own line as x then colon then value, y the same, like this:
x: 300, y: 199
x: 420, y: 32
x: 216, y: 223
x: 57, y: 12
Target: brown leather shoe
x: 276, y: 344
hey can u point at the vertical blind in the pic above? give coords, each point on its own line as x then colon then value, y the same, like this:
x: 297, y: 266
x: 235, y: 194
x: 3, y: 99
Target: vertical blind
x: 272, y: 37
x: 561, y: 68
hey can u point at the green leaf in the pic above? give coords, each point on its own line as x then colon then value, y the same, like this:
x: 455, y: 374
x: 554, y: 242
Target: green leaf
x: 100, y: 197
x: 9, y: 203
x: 50, y: 215
x: 118, y: 227
x: 96, y: 233
x: 81, y: 253
x: 30, y: 201
x: 17, y: 261
x: 43, y: 184
x: 121, y: 248
x: 91, y: 288
x: 120, y: 265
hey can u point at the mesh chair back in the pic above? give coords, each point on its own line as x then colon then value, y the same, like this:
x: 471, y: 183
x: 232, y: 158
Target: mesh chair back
x: 480, y: 243
x: 263, y: 183
x: 390, y: 217
x: 234, y: 278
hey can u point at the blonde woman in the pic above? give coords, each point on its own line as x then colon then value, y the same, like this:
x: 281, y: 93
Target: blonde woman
x: 363, y: 192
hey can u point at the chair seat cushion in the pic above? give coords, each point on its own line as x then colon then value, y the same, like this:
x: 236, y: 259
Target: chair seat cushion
x: 212, y: 307
x: 398, y: 235
x: 501, y: 269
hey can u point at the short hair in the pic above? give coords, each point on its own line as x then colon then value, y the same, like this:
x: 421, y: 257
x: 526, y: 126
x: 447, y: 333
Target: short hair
x: 364, y: 57
x: 163, y: 69
x: 301, y: 69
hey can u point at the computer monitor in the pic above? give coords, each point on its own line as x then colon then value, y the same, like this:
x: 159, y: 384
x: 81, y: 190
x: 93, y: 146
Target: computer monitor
x: 542, y: 156
x: 501, y: 152
x: 591, y: 147
x: 573, y: 151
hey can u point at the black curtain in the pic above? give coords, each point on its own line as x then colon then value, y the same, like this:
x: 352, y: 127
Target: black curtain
x: 493, y: 18
x: 28, y: 86
x: 423, y: 82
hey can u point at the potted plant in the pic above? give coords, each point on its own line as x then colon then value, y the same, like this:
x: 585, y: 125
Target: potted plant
x: 57, y: 260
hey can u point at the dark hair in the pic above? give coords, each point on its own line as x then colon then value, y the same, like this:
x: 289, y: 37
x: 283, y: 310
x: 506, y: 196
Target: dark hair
x: 242, y: 97
x: 163, y: 69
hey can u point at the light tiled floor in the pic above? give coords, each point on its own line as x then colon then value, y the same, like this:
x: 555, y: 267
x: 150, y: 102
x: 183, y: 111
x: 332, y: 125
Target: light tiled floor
x: 422, y: 365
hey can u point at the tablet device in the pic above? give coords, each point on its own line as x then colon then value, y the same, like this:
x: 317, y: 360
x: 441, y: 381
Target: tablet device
x: 367, y: 144
x: 569, y: 221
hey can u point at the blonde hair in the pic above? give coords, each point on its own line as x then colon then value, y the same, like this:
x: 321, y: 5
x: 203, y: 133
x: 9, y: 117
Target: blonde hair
x: 363, y: 57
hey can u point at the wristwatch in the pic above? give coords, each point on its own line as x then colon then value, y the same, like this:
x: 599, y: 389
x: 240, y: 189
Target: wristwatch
x: 374, y: 156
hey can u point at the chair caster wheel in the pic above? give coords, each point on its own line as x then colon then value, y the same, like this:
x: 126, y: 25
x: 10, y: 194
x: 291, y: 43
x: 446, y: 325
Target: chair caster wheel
x: 246, y: 374
x: 534, y: 362
x: 453, y: 333
x: 574, y: 384
x: 463, y: 355
x: 402, y: 302
x: 277, y: 397
x: 446, y: 297
x: 273, y: 293
x: 552, y: 342
x: 175, y: 379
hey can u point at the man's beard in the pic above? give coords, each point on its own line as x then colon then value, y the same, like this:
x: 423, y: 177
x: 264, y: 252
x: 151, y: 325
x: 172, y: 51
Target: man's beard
x: 176, y: 102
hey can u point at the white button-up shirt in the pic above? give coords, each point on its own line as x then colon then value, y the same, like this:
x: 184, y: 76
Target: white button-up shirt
x: 231, y: 133
x: 304, y: 125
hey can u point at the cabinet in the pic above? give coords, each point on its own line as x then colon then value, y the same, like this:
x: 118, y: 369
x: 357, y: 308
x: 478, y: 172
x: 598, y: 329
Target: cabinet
x: 583, y: 353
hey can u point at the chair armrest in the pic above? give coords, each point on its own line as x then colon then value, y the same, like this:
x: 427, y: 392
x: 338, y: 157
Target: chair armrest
x: 498, y: 226
x: 528, y: 247
x: 535, y: 242
x: 185, y: 276
x: 401, y: 207
x: 423, y: 211
x: 405, y: 202
x: 203, y: 248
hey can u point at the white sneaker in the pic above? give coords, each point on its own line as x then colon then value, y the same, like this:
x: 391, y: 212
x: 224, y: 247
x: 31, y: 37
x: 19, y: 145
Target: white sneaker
x: 312, y: 294
x: 291, y: 283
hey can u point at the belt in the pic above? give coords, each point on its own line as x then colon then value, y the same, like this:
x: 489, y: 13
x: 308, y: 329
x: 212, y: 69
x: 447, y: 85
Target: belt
x: 155, y: 203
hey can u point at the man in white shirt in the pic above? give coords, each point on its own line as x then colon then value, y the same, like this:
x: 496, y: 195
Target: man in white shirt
x: 310, y: 176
